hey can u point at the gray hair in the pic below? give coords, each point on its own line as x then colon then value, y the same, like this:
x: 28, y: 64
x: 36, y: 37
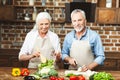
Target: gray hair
x: 42, y: 15
x: 78, y: 10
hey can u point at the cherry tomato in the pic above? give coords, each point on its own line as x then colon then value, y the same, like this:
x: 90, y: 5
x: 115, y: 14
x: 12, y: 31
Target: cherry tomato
x: 81, y: 77
x: 73, y: 77
x: 53, y: 78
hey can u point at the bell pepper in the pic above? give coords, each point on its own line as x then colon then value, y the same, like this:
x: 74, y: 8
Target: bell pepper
x: 16, y: 72
x: 25, y: 72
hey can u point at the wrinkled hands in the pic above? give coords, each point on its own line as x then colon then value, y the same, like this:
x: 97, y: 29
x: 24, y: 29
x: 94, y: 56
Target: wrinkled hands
x: 72, y: 62
x: 58, y: 56
x: 35, y: 54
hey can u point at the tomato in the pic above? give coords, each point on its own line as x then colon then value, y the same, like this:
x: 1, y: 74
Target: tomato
x: 53, y: 78
x: 73, y: 77
x: 81, y: 77
x: 56, y: 78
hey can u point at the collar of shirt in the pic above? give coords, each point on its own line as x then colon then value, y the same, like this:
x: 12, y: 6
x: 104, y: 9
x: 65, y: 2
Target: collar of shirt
x: 46, y: 36
x: 82, y: 34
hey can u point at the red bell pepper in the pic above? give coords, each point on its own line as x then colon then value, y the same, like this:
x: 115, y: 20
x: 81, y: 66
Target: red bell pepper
x: 25, y: 72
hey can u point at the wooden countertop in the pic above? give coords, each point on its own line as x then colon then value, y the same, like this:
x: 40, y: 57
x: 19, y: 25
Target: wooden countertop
x: 5, y: 74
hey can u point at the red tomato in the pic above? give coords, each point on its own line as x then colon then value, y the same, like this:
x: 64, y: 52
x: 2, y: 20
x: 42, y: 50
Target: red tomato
x: 81, y: 77
x: 73, y: 77
x: 53, y: 78
x: 60, y: 78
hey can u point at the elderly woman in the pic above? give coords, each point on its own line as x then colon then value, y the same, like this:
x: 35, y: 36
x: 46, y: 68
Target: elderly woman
x: 40, y: 41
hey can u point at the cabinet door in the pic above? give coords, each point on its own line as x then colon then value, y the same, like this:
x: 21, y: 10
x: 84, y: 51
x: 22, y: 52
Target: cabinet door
x: 6, y: 12
x: 106, y: 16
x: 103, y: 3
x: 4, y: 61
x: 118, y: 15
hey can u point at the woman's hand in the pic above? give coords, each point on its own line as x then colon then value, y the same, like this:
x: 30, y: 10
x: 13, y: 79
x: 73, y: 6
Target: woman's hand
x: 57, y: 56
x: 35, y: 54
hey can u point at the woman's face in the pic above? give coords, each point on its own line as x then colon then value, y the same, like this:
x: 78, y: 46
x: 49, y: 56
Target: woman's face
x: 78, y: 21
x: 43, y: 26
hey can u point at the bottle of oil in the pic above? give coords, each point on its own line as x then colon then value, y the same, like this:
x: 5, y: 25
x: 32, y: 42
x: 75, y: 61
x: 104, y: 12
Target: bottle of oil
x: 34, y: 14
x: 31, y: 2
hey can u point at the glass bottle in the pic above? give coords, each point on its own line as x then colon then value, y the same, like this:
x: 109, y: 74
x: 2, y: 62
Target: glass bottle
x: 43, y: 2
x: 34, y: 14
x: 4, y: 2
x: 31, y: 2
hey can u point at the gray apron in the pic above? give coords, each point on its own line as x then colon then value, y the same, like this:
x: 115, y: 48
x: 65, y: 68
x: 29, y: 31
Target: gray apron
x: 81, y: 52
x: 46, y: 49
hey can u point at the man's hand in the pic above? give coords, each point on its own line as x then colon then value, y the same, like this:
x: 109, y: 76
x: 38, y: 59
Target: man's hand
x: 72, y: 62
x: 89, y: 67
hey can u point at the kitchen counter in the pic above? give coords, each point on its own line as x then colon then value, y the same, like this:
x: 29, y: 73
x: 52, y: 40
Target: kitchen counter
x: 5, y: 74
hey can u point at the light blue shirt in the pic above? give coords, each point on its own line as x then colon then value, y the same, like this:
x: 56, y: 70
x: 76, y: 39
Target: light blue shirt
x: 94, y: 40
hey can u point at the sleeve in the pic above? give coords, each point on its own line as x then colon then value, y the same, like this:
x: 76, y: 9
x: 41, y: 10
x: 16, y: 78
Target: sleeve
x: 65, y: 49
x: 57, y: 45
x: 25, y: 49
x: 99, y: 51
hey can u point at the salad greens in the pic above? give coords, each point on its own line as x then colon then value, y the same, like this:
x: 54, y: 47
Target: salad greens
x: 48, y: 63
x: 101, y: 76
x: 53, y: 72
x: 45, y: 70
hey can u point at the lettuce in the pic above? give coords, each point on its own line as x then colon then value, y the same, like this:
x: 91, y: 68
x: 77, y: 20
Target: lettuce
x: 101, y: 76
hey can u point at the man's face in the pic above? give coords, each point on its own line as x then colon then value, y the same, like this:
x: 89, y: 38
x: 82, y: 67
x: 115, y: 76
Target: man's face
x: 43, y: 26
x: 78, y: 21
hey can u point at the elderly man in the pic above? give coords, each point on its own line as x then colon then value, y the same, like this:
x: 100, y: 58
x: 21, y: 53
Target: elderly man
x: 82, y: 47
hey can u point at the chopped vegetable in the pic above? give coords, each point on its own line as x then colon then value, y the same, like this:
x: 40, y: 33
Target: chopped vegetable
x: 16, y: 72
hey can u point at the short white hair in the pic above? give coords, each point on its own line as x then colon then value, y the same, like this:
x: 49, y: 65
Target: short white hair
x: 78, y: 10
x: 40, y: 16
